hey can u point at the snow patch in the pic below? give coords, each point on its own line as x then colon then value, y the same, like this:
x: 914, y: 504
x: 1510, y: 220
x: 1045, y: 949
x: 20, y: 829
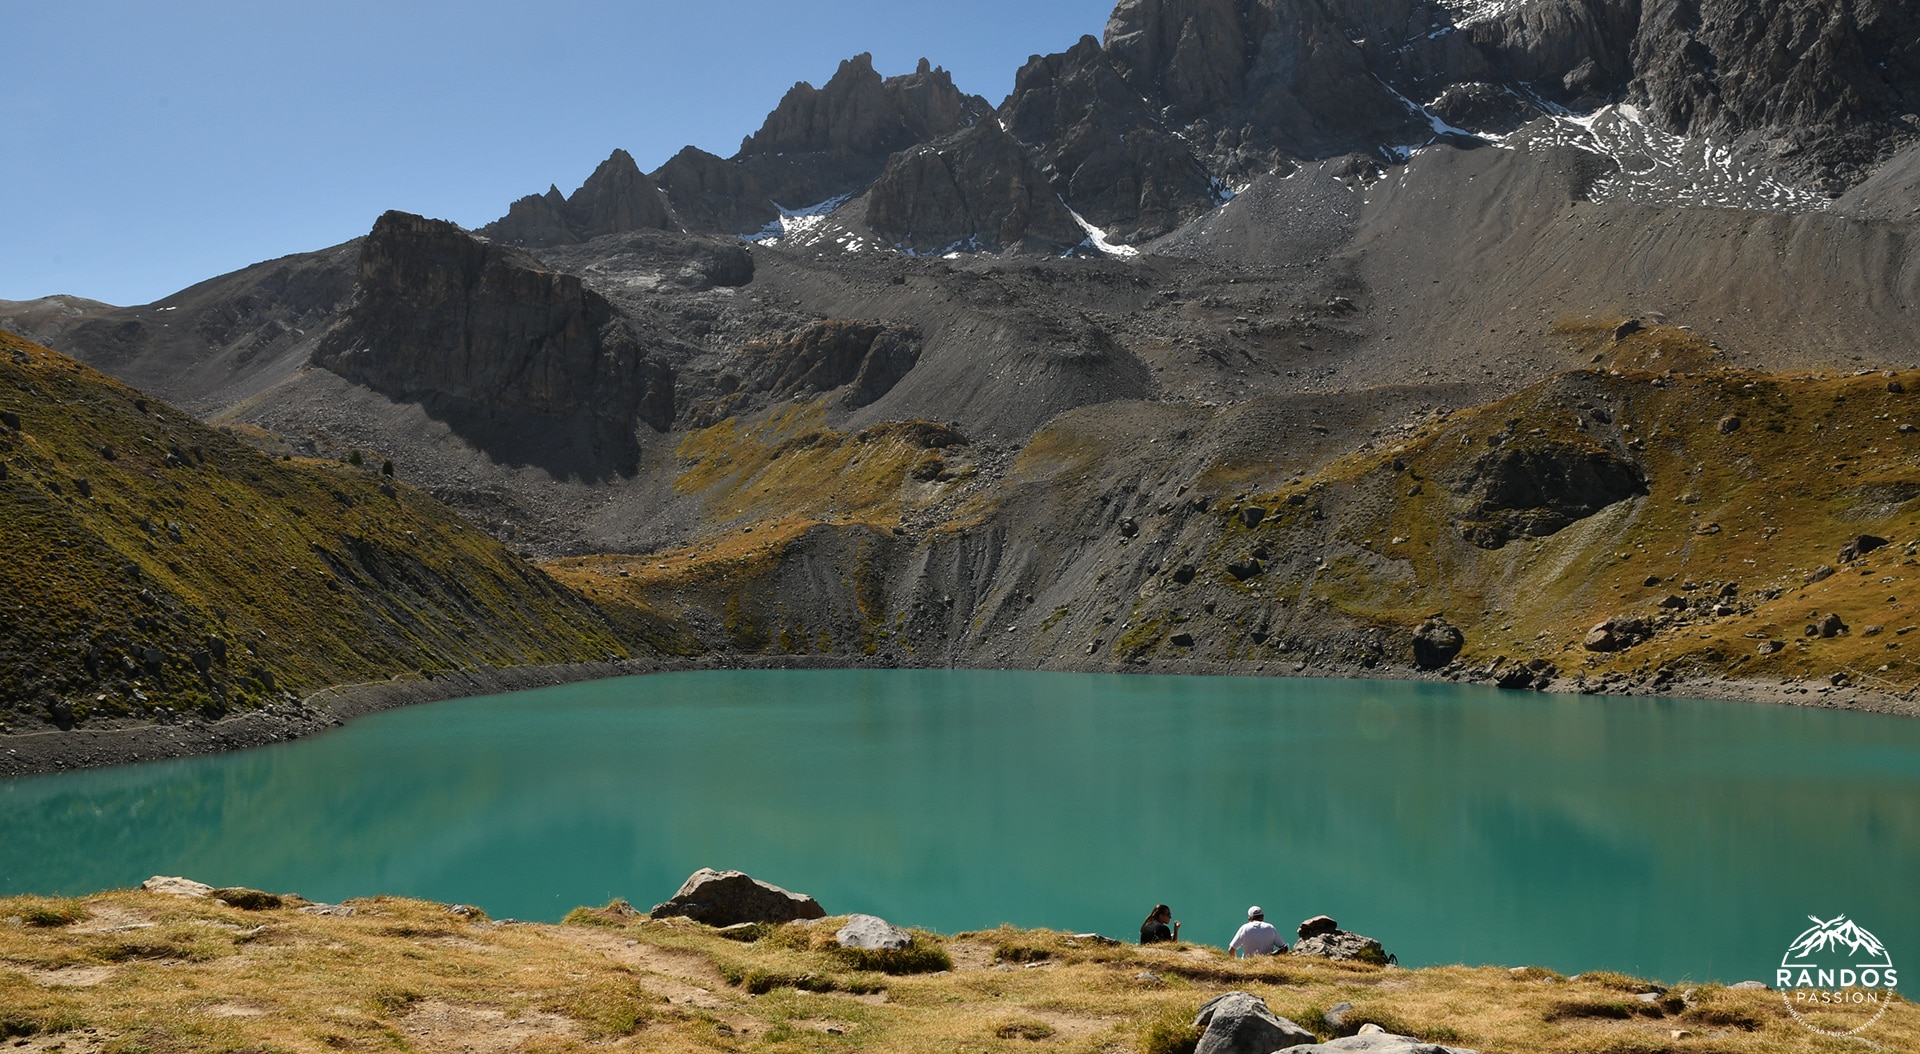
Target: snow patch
x: 792, y: 222
x: 1097, y: 238
x: 1467, y: 12
x: 1658, y: 168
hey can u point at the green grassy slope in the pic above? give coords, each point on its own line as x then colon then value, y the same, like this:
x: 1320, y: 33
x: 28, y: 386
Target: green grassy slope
x: 147, y: 561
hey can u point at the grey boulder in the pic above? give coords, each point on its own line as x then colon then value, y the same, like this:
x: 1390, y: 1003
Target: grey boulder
x: 723, y: 898
x: 1376, y: 1042
x: 1239, y: 1023
x: 872, y: 931
x: 1340, y: 944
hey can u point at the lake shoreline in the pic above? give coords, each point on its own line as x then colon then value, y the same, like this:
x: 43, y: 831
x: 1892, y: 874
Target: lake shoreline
x: 102, y: 744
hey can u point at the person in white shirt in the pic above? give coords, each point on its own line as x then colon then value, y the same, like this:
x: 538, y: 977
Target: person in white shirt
x: 1257, y: 937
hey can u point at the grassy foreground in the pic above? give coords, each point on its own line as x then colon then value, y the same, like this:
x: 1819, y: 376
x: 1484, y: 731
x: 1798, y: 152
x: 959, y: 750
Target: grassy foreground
x: 133, y: 971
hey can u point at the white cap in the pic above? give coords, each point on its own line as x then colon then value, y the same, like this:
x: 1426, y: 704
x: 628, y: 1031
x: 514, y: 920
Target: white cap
x: 1255, y: 912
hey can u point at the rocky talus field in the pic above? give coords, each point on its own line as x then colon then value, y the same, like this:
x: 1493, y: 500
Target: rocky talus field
x: 1564, y: 345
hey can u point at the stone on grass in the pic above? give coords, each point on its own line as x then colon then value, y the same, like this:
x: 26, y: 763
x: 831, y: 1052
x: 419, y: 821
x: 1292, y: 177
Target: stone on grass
x: 1343, y: 946
x: 1239, y: 1023
x: 177, y: 887
x: 872, y: 931
x: 723, y: 898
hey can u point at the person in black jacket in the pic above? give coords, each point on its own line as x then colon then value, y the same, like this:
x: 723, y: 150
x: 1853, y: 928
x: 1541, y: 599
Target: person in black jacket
x: 1156, y: 929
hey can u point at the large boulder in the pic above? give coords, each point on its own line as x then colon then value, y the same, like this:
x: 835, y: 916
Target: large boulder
x: 1436, y: 643
x: 874, y: 932
x: 723, y: 898
x: 1239, y: 1023
x: 1339, y: 944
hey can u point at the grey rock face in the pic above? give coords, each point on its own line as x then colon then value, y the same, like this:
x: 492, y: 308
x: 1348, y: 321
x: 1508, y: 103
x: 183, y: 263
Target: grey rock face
x: 975, y: 189
x: 725, y: 898
x: 1830, y: 79
x: 871, y: 931
x: 1239, y: 1023
x: 857, y: 112
x: 447, y: 319
x: 819, y: 143
x: 1435, y: 643
x: 617, y: 198
x: 1282, y: 72
x: 1109, y: 153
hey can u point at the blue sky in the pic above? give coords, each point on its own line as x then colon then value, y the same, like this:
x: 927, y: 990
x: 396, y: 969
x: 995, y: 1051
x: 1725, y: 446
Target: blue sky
x: 146, y: 147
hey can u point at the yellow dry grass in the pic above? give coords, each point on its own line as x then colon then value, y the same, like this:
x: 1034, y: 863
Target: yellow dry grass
x: 146, y: 972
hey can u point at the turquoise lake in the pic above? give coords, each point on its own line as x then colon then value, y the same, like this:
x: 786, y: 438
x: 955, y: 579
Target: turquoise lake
x: 1667, y: 838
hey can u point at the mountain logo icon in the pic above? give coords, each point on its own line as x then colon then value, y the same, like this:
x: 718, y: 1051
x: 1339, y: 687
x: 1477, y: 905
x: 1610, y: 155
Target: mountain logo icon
x: 1839, y: 937
x: 1834, y: 974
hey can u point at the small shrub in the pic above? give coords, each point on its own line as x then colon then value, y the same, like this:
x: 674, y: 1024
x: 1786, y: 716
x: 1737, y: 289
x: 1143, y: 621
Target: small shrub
x: 922, y: 956
x: 1172, y: 1032
x: 760, y: 981
x: 38, y: 911
x: 355, y: 458
x: 1018, y: 952
x: 386, y: 468
x: 1611, y: 1009
x: 246, y: 899
x: 616, y: 914
x: 393, y: 1000
x: 1724, y: 1017
x: 616, y: 1009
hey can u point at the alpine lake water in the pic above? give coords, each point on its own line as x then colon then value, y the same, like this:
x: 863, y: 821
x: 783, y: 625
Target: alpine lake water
x: 1672, y: 839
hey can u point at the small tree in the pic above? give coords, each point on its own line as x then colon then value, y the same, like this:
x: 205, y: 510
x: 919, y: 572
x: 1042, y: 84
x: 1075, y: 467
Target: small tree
x: 355, y: 459
x: 386, y: 468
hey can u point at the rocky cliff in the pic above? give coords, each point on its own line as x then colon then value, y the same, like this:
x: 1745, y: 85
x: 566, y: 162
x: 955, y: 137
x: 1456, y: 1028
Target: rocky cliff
x: 485, y: 334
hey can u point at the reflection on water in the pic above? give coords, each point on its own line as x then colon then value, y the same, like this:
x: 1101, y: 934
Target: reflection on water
x: 1666, y: 838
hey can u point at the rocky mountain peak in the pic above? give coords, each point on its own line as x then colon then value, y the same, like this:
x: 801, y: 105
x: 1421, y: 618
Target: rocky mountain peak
x: 615, y: 199
x: 858, y: 112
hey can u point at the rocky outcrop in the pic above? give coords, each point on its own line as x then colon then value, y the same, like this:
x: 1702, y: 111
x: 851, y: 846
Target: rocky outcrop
x: 1107, y: 151
x: 870, y: 357
x: 726, y: 898
x: 1239, y: 1023
x: 1536, y: 489
x: 976, y: 190
x: 617, y: 198
x: 451, y: 321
